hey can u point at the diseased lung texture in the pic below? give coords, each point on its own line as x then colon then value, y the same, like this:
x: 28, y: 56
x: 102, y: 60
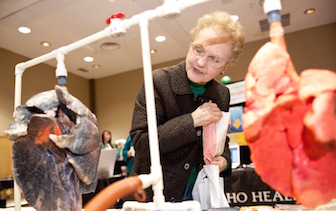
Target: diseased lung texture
x: 56, y: 150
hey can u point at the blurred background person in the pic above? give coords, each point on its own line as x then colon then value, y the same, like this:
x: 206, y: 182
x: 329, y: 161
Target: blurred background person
x: 128, y: 153
x: 107, y: 140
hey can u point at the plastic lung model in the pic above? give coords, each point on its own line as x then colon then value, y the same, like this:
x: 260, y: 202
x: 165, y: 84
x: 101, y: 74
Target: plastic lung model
x: 56, y: 150
x: 290, y: 124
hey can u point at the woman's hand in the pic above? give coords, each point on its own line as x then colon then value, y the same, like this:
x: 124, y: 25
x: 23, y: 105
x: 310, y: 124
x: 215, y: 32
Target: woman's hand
x: 217, y: 160
x: 206, y: 113
x: 131, y: 152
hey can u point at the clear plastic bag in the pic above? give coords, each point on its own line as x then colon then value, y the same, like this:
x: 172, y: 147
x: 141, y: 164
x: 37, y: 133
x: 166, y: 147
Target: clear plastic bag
x: 209, y: 188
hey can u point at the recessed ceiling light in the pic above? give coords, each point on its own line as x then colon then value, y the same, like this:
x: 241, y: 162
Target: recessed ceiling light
x: 235, y: 17
x: 24, y: 30
x: 153, y: 51
x: 309, y: 11
x: 96, y: 66
x: 45, y: 44
x: 160, y: 38
x: 88, y: 59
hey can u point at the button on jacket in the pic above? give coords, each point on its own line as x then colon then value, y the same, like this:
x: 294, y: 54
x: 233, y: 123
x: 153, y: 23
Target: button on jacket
x: 179, y: 142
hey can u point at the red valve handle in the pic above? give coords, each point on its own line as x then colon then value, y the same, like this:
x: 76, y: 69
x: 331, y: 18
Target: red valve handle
x: 119, y: 15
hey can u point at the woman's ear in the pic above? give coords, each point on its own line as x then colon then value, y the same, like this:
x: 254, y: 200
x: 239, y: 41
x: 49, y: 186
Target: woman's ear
x: 225, y: 67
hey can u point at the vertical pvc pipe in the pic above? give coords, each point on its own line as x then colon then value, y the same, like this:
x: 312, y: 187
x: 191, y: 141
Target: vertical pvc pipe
x: 18, y: 85
x: 17, y: 197
x: 61, y: 72
x: 17, y: 101
x: 156, y: 169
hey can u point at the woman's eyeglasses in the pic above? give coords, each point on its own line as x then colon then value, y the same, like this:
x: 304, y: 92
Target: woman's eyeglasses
x: 212, y: 60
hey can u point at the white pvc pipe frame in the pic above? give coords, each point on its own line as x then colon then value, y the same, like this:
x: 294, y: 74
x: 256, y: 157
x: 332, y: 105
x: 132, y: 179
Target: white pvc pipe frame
x: 155, y: 177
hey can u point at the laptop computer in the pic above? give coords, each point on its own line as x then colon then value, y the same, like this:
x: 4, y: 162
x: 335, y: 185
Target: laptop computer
x: 235, y: 154
x: 106, y: 163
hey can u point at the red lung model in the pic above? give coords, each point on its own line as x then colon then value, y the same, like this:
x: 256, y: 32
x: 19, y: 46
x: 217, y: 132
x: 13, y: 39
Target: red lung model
x: 289, y: 123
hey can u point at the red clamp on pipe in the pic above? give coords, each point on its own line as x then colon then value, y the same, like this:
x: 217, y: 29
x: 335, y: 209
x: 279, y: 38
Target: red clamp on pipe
x: 119, y: 15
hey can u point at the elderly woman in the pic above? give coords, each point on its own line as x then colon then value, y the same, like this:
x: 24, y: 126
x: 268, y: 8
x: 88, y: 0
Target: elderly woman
x: 188, y: 97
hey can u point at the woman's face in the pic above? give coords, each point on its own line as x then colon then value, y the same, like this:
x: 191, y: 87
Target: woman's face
x: 208, y: 48
x: 107, y: 137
